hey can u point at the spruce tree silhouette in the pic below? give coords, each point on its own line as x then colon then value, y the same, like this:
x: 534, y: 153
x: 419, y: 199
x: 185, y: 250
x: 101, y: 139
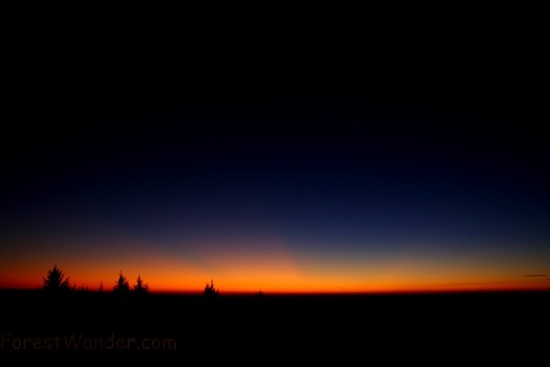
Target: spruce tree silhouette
x: 140, y: 288
x: 122, y: 287
x: 56, y: 283
x: 210, y: 290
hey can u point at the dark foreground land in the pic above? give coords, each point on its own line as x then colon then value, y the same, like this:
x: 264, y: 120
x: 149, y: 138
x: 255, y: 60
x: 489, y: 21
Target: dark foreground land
x: 254, y: 330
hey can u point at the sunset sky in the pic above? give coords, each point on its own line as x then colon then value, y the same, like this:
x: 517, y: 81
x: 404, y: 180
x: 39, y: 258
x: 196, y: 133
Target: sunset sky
x: 282, y: 175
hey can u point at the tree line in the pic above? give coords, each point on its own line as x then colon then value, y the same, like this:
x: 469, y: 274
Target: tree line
x: 56, y: 282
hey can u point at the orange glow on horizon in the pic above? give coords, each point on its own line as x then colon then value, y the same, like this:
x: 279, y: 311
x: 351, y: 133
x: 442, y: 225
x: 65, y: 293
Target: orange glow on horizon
x: 271, y: 269
x: 289, y: 284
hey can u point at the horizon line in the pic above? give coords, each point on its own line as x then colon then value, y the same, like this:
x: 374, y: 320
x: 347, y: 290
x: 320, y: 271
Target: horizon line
x: 311, y: 293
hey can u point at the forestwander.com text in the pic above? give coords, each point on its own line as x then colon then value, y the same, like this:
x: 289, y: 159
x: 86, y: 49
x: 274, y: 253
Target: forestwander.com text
x: 80, y: 341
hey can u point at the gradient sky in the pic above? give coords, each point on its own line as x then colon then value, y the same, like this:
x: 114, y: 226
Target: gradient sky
x: 374, y: 178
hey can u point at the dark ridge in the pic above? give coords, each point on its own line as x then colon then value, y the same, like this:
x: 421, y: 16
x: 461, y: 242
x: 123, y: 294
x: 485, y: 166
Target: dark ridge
x: 306, y: 328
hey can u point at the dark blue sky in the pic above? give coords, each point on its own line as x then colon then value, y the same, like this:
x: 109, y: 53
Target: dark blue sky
x: 438, y: 154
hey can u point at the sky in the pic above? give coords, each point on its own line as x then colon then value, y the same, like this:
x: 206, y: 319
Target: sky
x: 277, y: 171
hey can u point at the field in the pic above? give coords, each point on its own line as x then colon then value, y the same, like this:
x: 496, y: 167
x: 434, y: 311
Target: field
x: 441, y: 328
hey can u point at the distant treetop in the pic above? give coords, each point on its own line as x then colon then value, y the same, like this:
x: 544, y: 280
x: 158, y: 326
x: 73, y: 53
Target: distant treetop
x: 210, y: 290
x: 140, y: 288
x: 56, y: 282
x: 122, y: 287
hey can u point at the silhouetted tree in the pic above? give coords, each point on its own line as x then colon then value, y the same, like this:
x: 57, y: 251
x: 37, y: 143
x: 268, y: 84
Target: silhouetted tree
x: 83, y: 288
x: 210, y: 290
x: 100, y: 289
x: 56, y: 283
x: 140, y: 288
x: 122, y: 287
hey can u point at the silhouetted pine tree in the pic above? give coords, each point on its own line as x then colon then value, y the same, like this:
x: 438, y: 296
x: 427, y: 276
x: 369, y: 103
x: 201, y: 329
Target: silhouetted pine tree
x: 122, y: 287
x: 56, y: 283
x: 210, y: 290
x: 140, y: 288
